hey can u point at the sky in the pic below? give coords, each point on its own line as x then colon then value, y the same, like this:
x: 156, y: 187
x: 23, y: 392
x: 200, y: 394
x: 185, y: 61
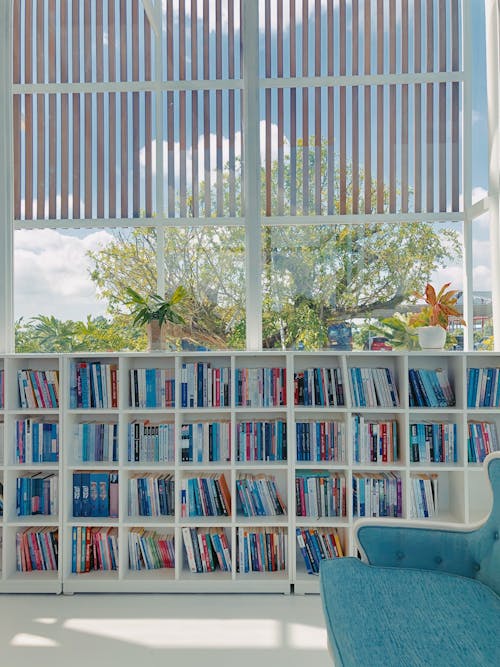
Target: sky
x: 52, y: 268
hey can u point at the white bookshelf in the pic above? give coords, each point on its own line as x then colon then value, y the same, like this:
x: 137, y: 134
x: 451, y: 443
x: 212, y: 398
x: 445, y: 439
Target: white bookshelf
x: 462, y: 492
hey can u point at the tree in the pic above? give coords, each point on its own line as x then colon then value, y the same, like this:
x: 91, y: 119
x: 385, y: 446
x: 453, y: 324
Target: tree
x: 313, y: 275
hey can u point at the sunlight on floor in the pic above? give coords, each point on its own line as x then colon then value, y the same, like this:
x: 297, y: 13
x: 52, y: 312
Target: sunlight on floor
x: 158, y: 633
x: 31, y: 641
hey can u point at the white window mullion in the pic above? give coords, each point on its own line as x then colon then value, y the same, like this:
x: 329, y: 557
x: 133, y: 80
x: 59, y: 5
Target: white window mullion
x: 251, y: 162
x: 6, y: 183
x: 492, y: 16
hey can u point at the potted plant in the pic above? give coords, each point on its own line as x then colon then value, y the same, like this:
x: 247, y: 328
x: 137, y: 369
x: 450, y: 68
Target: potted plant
x: 155, y: 311
x: 432, y: 320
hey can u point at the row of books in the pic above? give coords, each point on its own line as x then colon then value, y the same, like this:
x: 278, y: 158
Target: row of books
x: 319, y: 494
x: 205, y: 387
x: 432, y: 442
x: 482, y: 440
x: 204, y: 442
x: 260, y: 387
x: 320, y: 441
x: 150, y: 550
x: 316, y: 545
x: 96, y: 441
x: 95, y: 493
x: 430, y: 388
x: 37, y: 549
x: 205, y: 496
x: 37, y: 441
x: 37, y: 494
x: 38, y: 388
x: 424, y: 496
x: 483, y: 388
x: 206, y: 549
x: 377, y: 494
x: 151, y: 495
x: 258, y: 495
x: 93, y: 384
x: 148, y: 442
x: 374, y: 441
x: 261, y: 550
x: 373, y: 387
x: 319, y: 387
x: 93, y: 548
x: 261, y: 440
x: 152, y: 388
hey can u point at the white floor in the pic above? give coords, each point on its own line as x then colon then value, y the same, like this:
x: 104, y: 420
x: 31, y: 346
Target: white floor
x: 166, y: 630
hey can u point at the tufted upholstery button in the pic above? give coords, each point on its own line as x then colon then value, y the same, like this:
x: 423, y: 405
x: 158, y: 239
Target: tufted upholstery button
x: 438, y: 560
x: 496, y: 535
x: 400, y: 555
x: 476, y: 567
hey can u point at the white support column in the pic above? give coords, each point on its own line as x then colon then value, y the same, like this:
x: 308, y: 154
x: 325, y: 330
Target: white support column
x: 6, y: 193
x: 468, y: 266
x: 251, y: 167
x: 492, y: 16
x: 160, y: 232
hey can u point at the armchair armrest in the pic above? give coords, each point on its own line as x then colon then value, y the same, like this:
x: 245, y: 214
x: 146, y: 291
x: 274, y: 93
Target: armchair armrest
x: 442, y: 547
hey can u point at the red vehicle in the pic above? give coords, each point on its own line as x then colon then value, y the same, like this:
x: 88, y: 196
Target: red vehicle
x: 380, y: 343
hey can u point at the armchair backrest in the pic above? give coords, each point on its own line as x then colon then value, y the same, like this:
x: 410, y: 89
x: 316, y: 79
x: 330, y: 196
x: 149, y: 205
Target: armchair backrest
x: 486, y: 540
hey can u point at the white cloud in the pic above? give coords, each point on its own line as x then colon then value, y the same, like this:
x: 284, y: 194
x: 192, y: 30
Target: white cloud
x: 51, y: 274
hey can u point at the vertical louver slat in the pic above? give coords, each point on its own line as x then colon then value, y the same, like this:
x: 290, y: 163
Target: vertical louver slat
x: 53, y: 140
x: 342, y: 111
x: 305, y: 109
x: 268, y: 190
x: 417, y: 112
x: 330, y: 113
x: 293, y: 111
x: 194, y: 111
x: 64, y: 156
x: 232, y: 127
x: 455, y: 97
x: 100, y: 110
x: 380, y: 108
x: 355, y: 108
x: 40, y: 113
x: 404, y: 107
x: 218, y: 108
x: 442, y: 161
x: 430, y: 109
x: 136, y: 119
x: 170, y: 114
x: 368, y: 112
x: 123, y: 113
x: 16, y: 111
x: 112, y: 119
x: 182, y: 109
x: 28, y: 112
x: 148, y: 123
x: 317, y: 109
x: 88, y: 167
x: 281, y: 153
x: 76, y: 108
x: 392, y: 108
x: 206, y: 106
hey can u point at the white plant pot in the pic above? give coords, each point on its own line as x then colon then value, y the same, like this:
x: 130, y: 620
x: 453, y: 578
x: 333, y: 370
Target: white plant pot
x: 432, y: 338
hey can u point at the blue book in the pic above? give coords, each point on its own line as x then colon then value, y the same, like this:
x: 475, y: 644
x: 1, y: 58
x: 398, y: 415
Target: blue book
x: 93, y: 495
x: 151, y: 388
x: 430, y: 394
x: 77, y: 494
x: 102, y: 480
x: 85, y: 494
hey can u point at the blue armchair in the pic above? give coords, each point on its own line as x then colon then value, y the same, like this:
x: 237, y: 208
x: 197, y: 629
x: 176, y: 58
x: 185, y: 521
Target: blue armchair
x: 424, y: 595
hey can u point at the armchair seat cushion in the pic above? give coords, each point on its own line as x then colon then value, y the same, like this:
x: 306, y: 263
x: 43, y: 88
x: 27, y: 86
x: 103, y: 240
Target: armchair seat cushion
x: 400, y: 617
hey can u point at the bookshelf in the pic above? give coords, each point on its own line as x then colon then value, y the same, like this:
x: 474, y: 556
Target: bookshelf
x: 146, y: 428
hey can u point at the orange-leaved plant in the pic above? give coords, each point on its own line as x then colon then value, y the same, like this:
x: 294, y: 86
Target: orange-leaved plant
x: 440, y: 306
